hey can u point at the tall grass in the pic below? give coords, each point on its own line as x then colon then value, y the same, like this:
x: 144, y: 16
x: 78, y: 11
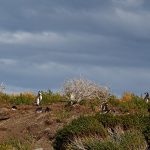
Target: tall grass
x: 130, y: 140
x: 129, y: 103
x: 91, y: 143
x: 29, y: 98
x: 22, y: 98
x: 4, y: 98
x: 14, y: 144
x: 49, y: 97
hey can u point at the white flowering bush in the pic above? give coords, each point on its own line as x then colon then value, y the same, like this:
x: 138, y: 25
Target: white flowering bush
x: 79, y: 89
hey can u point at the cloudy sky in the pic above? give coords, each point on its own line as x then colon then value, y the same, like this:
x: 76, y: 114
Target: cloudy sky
x: 45, y: 42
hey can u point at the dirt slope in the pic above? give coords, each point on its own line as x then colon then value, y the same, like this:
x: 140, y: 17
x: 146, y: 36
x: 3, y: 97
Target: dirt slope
x: 34, y: 128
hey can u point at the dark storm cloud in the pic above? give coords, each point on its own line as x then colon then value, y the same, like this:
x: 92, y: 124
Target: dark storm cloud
x: 36, y: 15
x: 43, y: 42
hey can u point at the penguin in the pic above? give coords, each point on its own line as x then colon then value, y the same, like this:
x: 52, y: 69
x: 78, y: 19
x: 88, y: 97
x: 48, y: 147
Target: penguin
x: 39, y: 98
x: 14, y: 107
x: 47, y: 109
x: 39, y: 110
x: 146, y: 98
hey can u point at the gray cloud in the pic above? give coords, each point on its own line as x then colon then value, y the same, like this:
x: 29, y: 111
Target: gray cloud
x: 42, y: 43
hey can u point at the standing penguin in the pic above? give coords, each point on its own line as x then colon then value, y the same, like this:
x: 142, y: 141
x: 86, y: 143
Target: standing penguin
x: 104, y: 107
x: 39, y: 98
x: 146, y: 98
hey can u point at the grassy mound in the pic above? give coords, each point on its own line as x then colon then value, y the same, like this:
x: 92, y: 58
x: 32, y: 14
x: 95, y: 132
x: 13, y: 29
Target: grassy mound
x: 83, y: 128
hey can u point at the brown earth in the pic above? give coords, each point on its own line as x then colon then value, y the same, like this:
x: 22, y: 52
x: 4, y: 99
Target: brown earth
x: 37, y: 129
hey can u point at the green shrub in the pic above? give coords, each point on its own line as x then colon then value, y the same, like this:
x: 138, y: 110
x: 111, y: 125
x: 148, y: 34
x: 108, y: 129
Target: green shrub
x: 48, y: 97
x: 128, y: 103
x: 134, y: 121
x: 22, y: 98
x: 113, y: 101
x: 139, y: 103
x: 132, y: 140
x: 90, y: 125
x: 148, y: 108
x: 108, y: 120
x: 128, y: 121
x: 82, y: 126
x: 135, y: 104
x: 146, y: 133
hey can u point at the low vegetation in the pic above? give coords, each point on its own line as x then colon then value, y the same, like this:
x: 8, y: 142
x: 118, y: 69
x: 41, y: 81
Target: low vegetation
x: 129, y: 135
x: 82, y: 126
x: 14, y: 144
x: 29, y: 98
